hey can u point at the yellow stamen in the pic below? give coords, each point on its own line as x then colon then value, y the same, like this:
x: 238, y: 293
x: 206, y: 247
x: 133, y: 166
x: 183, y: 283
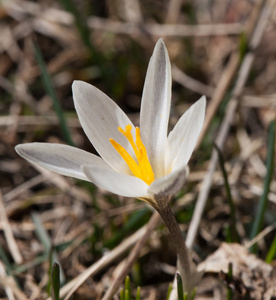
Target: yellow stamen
x: 142, y: 168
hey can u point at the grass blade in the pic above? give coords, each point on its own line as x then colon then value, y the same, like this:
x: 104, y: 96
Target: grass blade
x: 138, y: 297
x: 233, y: 232
x: 5, y: 259
x: 55, y: 282
x: 230, y: 293
x: 180, y: 294
x: 122, y: 294
x: 45, y: 240
x: 47, y: 81
x: 169, y: 291
x: 258, y: 220
x: 127, y: 289
x: 271, y: 252
x: 41, y: 233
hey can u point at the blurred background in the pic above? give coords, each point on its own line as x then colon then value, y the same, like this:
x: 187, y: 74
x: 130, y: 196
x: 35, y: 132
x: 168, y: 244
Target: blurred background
x: 44, y: 46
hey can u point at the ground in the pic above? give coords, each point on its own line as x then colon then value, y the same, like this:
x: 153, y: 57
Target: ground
x: 225, y: 50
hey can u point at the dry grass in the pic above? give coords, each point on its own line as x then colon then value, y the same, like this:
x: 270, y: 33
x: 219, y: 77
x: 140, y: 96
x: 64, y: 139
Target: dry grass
x: 90, y: 233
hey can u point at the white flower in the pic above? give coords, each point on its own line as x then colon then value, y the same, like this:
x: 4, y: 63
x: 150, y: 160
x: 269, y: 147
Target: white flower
x: 148, y: 163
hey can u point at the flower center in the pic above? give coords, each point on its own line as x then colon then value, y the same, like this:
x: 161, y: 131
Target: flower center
x: 142, y: 168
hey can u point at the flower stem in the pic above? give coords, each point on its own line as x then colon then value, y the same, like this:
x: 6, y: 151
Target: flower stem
x: 187, y: 267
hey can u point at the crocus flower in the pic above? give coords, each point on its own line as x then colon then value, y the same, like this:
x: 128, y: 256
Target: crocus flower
x: 146, y: 162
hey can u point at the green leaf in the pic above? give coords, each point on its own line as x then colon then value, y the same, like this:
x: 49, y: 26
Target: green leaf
x: 169, y: 291
x: 127, y: 295
x: 127, y: 289
x: 41, y: 232
x: 55, y: 282
x: 138, y: 297
x: 259, y: 219
x: 122, y: 294
x: 233, y: 235
x: 230, y: 293
x: 243, y: 45
x: 271, y: 252
x: 180, y: 294
x: 45, y: 240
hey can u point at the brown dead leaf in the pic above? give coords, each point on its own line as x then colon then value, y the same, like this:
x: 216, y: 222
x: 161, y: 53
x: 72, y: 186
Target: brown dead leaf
x: 252, y: 277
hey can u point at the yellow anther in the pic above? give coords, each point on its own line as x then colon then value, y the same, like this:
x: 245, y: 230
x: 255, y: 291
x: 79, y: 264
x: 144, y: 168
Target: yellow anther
x: 140, y: 168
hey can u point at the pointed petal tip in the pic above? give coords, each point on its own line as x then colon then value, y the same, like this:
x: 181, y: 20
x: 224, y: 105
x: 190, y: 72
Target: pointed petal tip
x: 202, y: 100
x: 17, y: 147
x: 85, y: 89
x: 155, y: 105
x: 78, y: 84
x: 28, y: 150
x: 160, y: 41
x: 75, y: 83
x: 200, y: 104
x: 160, y: 45
x: 22, y: 148
x: 62, y: 159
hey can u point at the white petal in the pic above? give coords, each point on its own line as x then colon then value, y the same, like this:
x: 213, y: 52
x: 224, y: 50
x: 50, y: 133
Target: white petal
x: 62, y: 159
x: 120, y: 184
x: 155, y: 107
x: 182, y: 139
x: 100, y: 118
x: 169, y: 184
